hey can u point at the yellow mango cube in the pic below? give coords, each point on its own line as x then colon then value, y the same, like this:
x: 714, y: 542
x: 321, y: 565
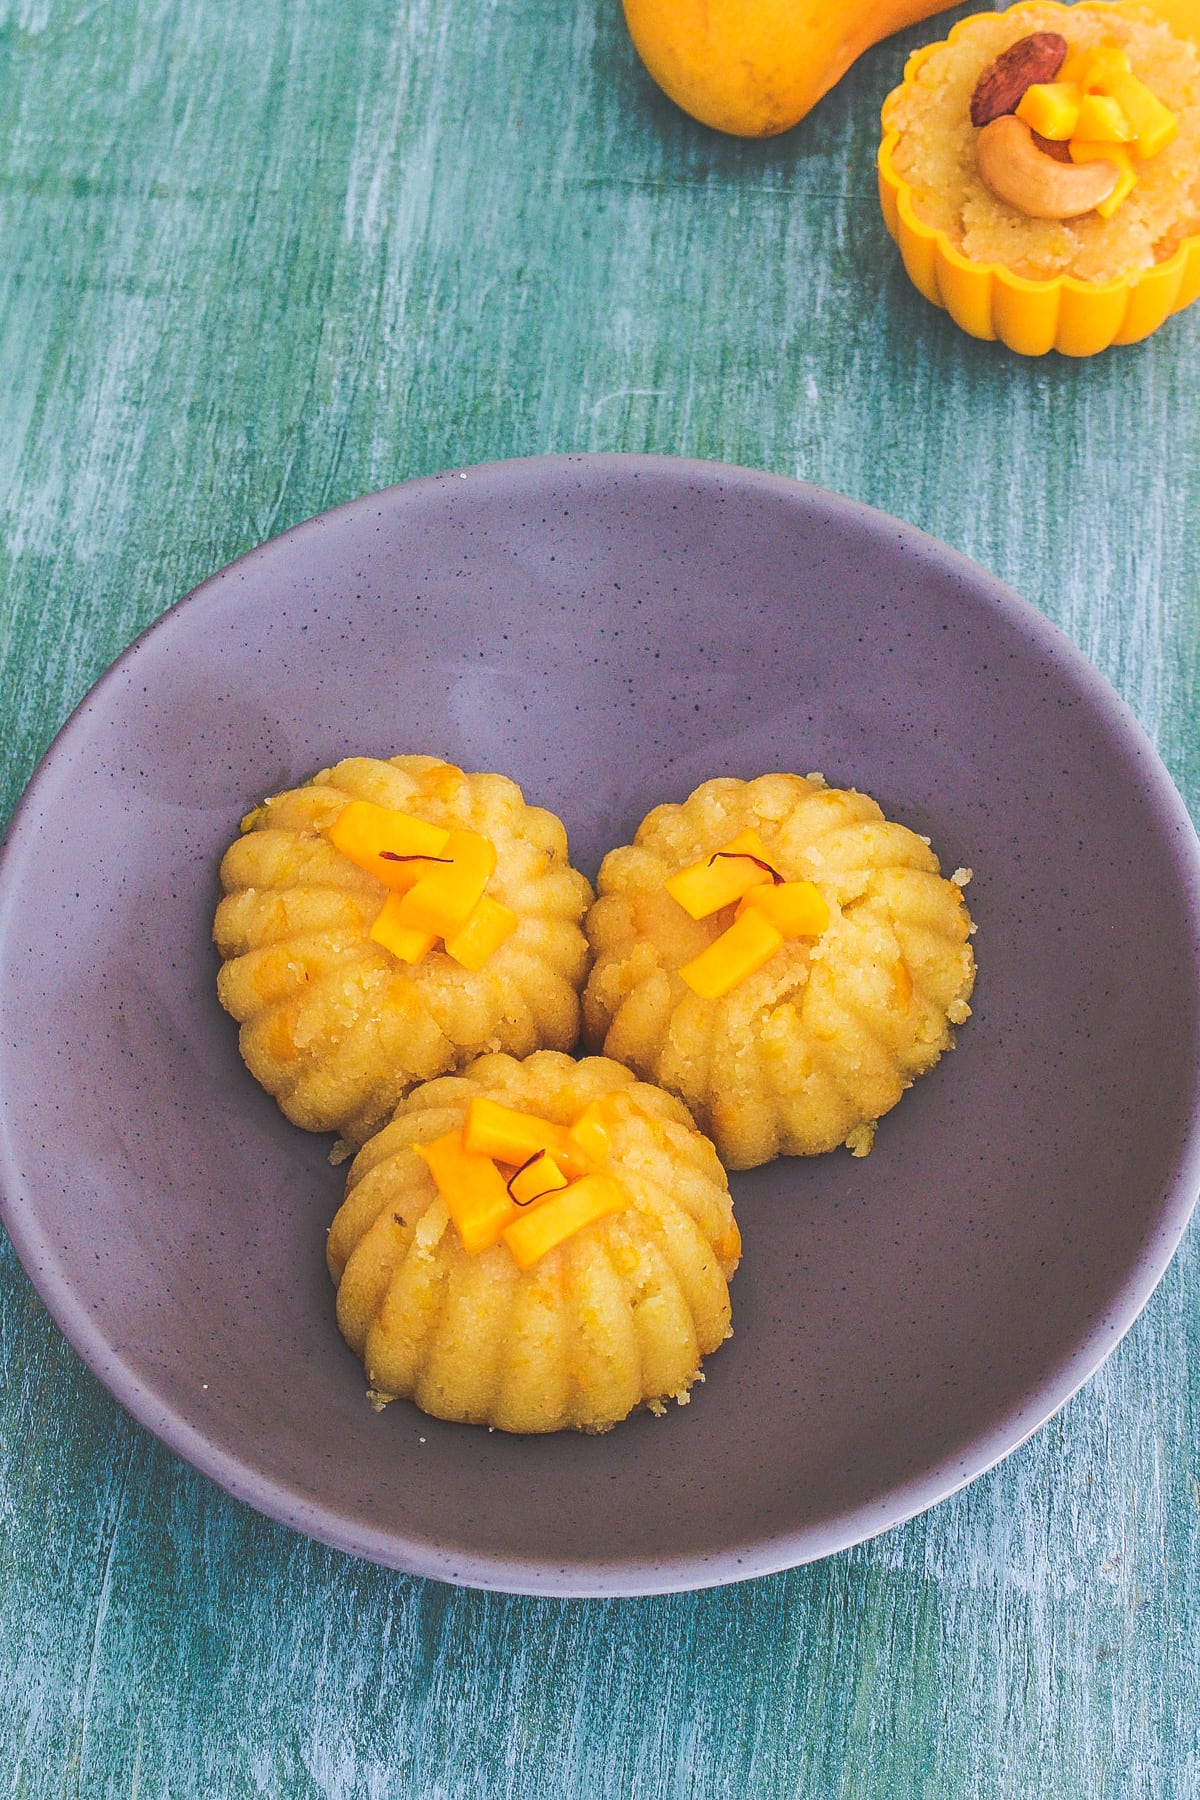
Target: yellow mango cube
x: 749, y: 942
x: 796, y: 908
x: 486, y: 929
x: 1102, y: 120
x: 589, y: 1133
x: 392, y: 846
x: 479, y: 1203
x: 541, y: 1175
x: 721, y: 878
x: 1051, y: 108
x: 445, y: 896
x: 404, y: 941
x: 1153, y: 124
x: 494, y: 1130
x: 1093, y: 70
x: 552, y: 1221
x: 1122, y: 161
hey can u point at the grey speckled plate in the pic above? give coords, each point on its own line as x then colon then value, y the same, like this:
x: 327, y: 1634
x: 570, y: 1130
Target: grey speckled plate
x: 611, y: 631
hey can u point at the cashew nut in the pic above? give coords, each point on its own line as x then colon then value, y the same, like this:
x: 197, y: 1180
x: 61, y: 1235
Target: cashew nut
x: 1015, y: 170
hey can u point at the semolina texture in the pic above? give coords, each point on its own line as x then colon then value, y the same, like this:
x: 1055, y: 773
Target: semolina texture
x: 810, y: 1050
x: 616, y: 1317
x: 935, y: 152
x: 336, y: 1027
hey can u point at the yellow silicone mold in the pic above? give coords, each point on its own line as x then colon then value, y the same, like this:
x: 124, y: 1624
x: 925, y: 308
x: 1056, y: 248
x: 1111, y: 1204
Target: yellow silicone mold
x: 1060, y: 313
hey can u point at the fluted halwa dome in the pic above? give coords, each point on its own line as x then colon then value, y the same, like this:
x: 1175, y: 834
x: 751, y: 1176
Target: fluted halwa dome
x: 539, y: 1326
x: 807, y: 1049
x: 336, y: 1024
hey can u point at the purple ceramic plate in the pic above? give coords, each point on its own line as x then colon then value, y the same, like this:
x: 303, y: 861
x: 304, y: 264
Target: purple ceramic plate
x: 611, y: 631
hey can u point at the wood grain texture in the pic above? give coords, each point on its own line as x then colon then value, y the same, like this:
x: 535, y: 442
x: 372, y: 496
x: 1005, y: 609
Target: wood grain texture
x: 260, y: 258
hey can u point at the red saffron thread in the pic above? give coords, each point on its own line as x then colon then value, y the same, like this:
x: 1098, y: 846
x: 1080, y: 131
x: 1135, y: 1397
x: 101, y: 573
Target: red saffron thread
x: 395, y: 856
x: 527, y: 1164
x: 747, y: 856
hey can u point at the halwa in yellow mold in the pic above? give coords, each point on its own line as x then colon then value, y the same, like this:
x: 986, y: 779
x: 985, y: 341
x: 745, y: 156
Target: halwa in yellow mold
x: 1076, y: 285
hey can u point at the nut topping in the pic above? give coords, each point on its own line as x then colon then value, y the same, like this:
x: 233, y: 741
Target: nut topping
x: 1015, y: 170
x: 1058, y: 148
x: 1031, y: 59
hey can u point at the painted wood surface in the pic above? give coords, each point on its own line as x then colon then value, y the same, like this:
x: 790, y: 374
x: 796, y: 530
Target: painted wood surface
x: 260, y: 256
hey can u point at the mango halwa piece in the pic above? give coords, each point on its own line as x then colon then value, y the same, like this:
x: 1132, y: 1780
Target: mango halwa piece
x: 1151, y: 75
x: 810, y: 1047
x: 600, y: 1299
x: 339, y: 1025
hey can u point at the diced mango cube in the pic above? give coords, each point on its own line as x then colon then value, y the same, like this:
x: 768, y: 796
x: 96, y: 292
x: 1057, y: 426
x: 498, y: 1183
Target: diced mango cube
x: 494, y: 1130
x: 485, y: 931
x: 721, y: 878
x: 1122, y: 191
x: 749, y: 942
x: 589, y: 1132
x: 382, y: 842
x: 539, y: 1176
x: 1102, y: 120
x: 1108, y: 63
x: 1094, y: 69
x: 796, y: 908
x: 445, y: 897
x: 1122, y: 161
x: 552, y: 1221
x: 1051, y: 108
x: 473, y: 1188
x: 404, y: 941
x: 1154, y: 125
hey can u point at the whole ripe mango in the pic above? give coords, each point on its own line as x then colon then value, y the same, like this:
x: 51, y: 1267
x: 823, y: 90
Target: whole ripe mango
x: 755, y: 67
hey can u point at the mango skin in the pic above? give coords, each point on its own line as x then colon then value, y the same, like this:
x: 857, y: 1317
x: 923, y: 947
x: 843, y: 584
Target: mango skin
x: 754, y: 68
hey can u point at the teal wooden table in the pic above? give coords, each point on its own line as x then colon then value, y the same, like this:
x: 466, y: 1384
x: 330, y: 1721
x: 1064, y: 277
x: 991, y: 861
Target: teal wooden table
x: 262, y: 257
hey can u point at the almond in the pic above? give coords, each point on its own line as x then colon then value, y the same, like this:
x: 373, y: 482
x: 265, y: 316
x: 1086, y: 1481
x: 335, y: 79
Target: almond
x: 1037, y: 57
x: 1058, y: 148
